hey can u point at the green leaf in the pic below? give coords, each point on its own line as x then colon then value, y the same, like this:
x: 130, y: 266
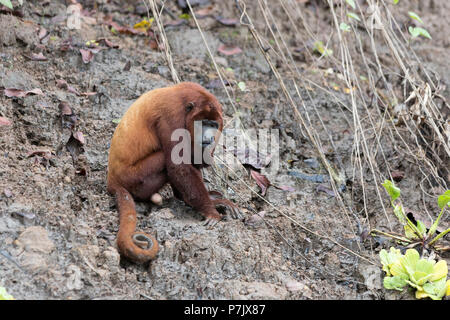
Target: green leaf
x: 7, y: 3
x: 421, y: 227
x: 409, y: 261
x: 425, y: 266
x: 440, y: 270
x: 395, y: 1
x: 391, y: 189
x: 400, y: 213
x: 397, y: 269
x: 424, y: 271
x: 320, y: 48
x: 395, y: 282
x: 414, y: 285
x: 242, y: 86
x: 420, y: 294
x: 344, y: 27
x: 415, y: 32
x: 3, y: 294
x: 419, y: 278
x: 388, y: 259
x: 353, y: 16
x: 444, y: 199
x: 447, y: 292
x: 435, y: 289
x: 440, y: 235
x: 409, y: 233
x: 384, y: 261
x: 185, y: 16
x: 414, y: 16
x: 351, y: 3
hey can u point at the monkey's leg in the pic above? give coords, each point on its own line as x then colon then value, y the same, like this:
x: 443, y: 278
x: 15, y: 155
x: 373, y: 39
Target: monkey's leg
x: 147, y: 177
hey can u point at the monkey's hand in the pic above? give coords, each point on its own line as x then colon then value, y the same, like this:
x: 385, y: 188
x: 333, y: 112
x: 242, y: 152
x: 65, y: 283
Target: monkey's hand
x: 212, y: 219
x: 230, y: 208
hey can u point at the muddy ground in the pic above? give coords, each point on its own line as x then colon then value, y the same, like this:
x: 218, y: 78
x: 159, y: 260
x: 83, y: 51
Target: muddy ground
x: 58, y: 224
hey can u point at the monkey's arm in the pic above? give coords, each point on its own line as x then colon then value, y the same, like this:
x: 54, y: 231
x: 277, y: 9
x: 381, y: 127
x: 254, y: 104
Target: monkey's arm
x: 187, y: 180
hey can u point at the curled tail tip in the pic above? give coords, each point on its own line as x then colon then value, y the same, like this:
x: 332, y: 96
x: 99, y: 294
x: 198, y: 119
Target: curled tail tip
x: 130, y: 247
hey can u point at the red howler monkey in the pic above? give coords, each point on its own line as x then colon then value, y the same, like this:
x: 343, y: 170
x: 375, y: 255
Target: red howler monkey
x: 140, y: 161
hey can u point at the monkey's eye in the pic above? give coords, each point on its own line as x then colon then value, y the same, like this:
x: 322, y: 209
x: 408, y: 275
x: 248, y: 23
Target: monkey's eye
x: 190, y: 106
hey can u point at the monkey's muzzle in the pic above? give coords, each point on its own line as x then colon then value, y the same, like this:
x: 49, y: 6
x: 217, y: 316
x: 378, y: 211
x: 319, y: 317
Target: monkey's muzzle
x: 209, y: 131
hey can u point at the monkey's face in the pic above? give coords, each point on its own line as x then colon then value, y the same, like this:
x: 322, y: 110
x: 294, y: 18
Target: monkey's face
x: 204, y: 122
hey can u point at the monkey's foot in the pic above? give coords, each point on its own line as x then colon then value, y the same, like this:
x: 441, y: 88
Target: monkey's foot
x: 212, y: 220
x: 230, y: 208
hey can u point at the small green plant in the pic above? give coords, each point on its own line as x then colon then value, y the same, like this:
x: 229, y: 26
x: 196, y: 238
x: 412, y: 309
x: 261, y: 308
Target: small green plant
x: 352, y: 15
x: 242, y: 86
x: 7, y: 3
x: 320, y: 48
x: 415, y: 233
x: 417, y: 31
x: 4, y: 295
x: 351, y: 3
x: 185, y: 16
x: 426, y: 276
x: 344, y: 27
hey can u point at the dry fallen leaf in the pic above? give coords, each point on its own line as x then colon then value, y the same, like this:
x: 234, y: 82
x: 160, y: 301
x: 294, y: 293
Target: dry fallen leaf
x: 121, y: 29
x: 326, y: 189
x: 75, y: 147
x: 255, y: 219
x: 229, y: 50
x: 79, y: 136
x: 5, y: 121
x: 37, y: 57
x: 398, y: 175
x: 86, y: 55
x: 285, y: 188
x: 108, y: 43
x: 18, y: 93
x: 65, y: 109
x: 127, y: 66
x: 42, y: 33
x: 261, y: 181
x: 228, y: 22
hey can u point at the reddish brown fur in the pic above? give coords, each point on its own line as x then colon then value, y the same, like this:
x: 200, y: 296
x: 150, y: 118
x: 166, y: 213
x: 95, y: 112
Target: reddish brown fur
x: 139, y: 158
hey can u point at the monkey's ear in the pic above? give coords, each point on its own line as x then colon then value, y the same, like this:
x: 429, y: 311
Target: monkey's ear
x: 190, y: 106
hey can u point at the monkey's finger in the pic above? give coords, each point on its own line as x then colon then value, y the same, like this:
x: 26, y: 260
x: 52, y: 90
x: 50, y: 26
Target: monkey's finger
x: 234, y: 211
x: 210, y: 222
x: 237, y: 213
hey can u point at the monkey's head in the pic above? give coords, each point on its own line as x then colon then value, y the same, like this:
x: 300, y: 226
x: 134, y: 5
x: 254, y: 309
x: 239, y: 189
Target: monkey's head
x: 203, y: 116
